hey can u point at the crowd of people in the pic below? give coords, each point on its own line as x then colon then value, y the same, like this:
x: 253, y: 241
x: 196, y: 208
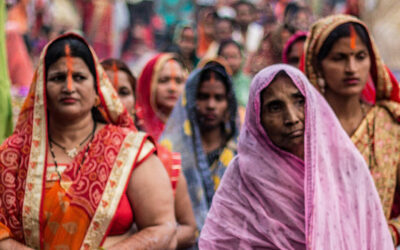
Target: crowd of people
x: 208, y: 124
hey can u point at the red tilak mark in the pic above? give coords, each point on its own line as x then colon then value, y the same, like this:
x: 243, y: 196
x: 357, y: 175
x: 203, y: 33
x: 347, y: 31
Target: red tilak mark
x: 353, y: 37
x: 212, y: 77
x: 173, y: 68
x: 69, y: 66
x: 115, y: 70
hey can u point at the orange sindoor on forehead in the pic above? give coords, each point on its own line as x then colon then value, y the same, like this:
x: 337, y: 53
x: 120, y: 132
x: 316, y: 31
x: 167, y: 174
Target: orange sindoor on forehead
x: 115, y: 70
x: 69, y: 66
x: 212, y: 77
x: 353, y: 37
x: 173, y: 68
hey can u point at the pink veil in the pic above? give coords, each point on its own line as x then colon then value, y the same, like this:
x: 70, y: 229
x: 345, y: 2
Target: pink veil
x: 270, y: 199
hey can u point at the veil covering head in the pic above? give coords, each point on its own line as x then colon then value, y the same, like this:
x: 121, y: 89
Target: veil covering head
x: 25, y: 151
x: 269, y: 198
x: 382, y: 85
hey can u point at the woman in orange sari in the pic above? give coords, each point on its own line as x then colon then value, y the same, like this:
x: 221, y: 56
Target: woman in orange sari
x: 77, y: 172
x: 125, y: 83
x: 342, y: 61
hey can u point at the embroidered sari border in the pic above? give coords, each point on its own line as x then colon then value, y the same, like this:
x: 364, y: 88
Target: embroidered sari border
x: 115, y: 187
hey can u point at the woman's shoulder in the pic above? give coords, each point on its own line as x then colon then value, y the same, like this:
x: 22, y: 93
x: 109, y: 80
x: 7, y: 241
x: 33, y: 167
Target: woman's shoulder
x: 388, y: 111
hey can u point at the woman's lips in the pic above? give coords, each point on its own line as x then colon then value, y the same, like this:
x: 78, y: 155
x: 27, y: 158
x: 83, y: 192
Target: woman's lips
x: 296, y: 133
x: 68, y: 100
x: 352, y: 81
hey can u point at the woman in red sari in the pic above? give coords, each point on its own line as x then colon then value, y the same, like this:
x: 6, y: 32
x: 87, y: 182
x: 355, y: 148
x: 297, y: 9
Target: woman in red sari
x: 159, y: 87
x: 125, y: 83
x: 76, y: 172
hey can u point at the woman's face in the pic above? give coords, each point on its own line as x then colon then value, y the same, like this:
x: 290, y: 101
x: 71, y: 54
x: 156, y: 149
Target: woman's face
x: 170, y: 84
x: 282, y: 115
x: 232, y: 55
x: 295, y: 53
x: 211, y: 103
x: 123, y: 87
x: 187, y: 43
x: 70, y: 88
x: 346, y: 68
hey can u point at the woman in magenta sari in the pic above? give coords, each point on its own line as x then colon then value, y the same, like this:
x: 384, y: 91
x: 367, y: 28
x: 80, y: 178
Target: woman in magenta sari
x: 298, y: 182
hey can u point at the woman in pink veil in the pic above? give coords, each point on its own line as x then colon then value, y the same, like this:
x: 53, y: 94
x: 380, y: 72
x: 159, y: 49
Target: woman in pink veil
x: 316, y: 193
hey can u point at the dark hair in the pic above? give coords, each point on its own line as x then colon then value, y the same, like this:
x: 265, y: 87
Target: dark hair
x: 109, y: 63
x: 241, y: 2
x: 225, y: 43
x: 218, y: 71
x: 341, y: 31
x: 78, y: 47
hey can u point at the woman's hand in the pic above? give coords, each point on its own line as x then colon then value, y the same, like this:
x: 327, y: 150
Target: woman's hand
x: 187, y: 228
x: 10, y: 243
x: 150, y: 194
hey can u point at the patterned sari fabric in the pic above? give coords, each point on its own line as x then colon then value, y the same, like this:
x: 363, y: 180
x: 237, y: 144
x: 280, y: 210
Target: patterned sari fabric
x: 182, y: 134
x: 76, y: 211
x: 146, y: 107
x: 271, y: 199
x: 378, y: 135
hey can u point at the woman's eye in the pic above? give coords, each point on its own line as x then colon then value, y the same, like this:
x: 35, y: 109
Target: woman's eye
x: 79, y: 78
x: 124, y: 92
x: 361, y: 56
x: 301, y: 101
x: 274, y: 107
x: 57, y: 78
x: 163, y: 80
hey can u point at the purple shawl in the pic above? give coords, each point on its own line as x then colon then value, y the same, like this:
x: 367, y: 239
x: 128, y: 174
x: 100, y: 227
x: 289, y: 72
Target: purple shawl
x: 269, y: 198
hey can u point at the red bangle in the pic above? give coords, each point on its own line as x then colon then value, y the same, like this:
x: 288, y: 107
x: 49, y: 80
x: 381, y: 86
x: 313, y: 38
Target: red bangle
x: 395, y: 232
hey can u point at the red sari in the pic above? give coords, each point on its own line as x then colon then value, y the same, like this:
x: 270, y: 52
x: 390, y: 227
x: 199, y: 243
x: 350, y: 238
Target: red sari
x: 77, y: 211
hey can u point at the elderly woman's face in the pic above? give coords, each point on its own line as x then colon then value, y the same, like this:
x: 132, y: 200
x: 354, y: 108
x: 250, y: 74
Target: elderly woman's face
x: 282, y: 115
x: 70, y: 88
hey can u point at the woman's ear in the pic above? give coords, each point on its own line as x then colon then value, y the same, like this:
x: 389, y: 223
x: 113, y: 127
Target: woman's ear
x: 97, y: 101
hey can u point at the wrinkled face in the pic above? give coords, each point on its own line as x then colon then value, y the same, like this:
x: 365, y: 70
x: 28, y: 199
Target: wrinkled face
x: 282, y: 115
x: 244, y: 15
x: 170, y: 84
x: 211, y: 103
x: 70, y: 88
x: 296, y: 53
x: 224, y: 30
x: 346, y: 67
x: 187, y: 43
x: 232, y: 55
x: 121, y: 83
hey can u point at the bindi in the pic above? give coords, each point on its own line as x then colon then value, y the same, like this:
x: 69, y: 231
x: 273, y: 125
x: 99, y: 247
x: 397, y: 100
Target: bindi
x: 69, y: 66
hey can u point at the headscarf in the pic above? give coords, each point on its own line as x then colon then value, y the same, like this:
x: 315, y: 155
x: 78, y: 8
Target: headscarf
x: 292, y: 40
x: 271, y: 199
x: 23, y: 154
x: 146, y: 106
x: 182, y: 134
x: 383, y: 86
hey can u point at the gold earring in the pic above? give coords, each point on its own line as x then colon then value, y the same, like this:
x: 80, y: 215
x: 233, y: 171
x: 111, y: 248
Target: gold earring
x: 97, y: 101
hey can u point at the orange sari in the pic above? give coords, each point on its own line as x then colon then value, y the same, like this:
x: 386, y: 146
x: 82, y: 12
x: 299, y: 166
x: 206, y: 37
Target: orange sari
x: 77, y: 211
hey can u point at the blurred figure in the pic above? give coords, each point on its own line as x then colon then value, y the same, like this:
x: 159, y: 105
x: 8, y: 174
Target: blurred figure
x: 185, y: 40
x: 223, y: 31
x: 203, y: 129
x: 249, y: 32
x: 297, y: 16
x: 205, y: 29
x: 233, y: 54
x: 6, y: 122
x: 262, y: 58
x: 294, y: 47
x: 159, y: 87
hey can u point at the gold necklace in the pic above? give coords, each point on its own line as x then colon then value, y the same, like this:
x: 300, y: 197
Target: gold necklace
x: 74, y: 151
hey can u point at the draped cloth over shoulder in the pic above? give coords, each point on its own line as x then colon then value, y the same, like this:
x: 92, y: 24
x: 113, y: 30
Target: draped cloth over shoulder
x: 270, y: 199
x: 378, y: 135
x: 82, y: 212
x: 182, y: 135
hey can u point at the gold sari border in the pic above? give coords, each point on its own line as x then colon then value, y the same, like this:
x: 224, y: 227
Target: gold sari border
x: 115, y: 187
